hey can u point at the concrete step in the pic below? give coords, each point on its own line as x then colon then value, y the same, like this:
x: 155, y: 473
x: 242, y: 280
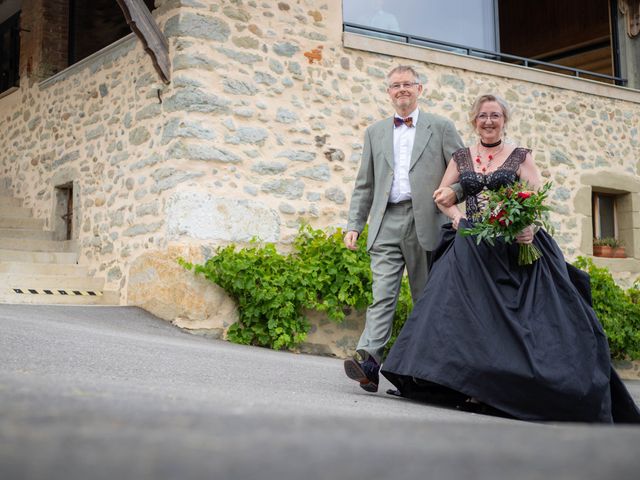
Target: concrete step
x: 108, y: 297
x: 8, y: 201
x: 26, y: 281
x: 21, y: 223
x: 9, y: 211
x: 48, y: 269
x: 25, y: 233
x: 7, y: 255
x: 35, y: 245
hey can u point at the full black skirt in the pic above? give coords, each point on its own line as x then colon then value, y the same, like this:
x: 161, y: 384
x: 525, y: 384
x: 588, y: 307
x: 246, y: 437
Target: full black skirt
x: 521, y: 339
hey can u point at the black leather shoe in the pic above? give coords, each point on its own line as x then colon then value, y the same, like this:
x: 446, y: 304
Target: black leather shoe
x: 367, y: 373
x: 394, y: 392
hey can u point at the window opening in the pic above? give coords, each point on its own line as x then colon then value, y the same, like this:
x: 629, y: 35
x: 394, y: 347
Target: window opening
x: 9, y: 52
x: 604, y: 215
x: 95, y: 24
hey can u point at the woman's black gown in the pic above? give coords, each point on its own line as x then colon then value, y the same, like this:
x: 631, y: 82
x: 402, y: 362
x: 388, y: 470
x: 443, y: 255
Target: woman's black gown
x: 520, y: 339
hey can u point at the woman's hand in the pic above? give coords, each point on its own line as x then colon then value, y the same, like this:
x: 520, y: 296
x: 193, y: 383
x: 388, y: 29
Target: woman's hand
x: 526, y: 235
x: 455, y: 221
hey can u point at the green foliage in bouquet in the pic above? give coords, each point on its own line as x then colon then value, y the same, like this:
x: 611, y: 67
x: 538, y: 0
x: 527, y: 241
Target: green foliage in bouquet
x: 272, y: 289
x: 510, y: 210
x: 617, y: 310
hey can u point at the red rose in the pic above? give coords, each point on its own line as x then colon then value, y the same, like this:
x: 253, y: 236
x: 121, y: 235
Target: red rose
x: 499, y: 217
x: 524, y: 195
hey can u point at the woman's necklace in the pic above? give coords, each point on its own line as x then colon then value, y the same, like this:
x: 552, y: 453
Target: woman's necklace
x: 490, y: 156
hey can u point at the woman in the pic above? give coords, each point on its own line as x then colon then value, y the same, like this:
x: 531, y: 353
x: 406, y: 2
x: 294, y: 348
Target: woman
x: 521, y: 341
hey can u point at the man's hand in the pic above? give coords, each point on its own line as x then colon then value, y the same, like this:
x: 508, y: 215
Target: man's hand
x: 455, y: 221
x: 445, y: 196
x: 350, y: 239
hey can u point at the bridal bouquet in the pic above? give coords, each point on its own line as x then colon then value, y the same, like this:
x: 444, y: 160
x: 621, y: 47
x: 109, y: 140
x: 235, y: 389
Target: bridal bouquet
x: 509, y: 211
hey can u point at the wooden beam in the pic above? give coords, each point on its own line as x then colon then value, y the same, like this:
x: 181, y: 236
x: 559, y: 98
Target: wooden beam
x: 146, y: 29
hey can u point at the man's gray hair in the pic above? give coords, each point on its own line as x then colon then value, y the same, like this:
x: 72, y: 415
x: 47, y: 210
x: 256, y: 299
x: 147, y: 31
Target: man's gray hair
x: 403, y: 69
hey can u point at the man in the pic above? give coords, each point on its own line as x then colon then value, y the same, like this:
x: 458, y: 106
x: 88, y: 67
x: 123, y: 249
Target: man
x: 403, y: 160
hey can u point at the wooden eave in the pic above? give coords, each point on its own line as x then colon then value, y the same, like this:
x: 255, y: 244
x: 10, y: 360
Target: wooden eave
x: 146, y: 29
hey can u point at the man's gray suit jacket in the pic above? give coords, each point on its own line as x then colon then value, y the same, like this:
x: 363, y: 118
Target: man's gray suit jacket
x: 435, y: 141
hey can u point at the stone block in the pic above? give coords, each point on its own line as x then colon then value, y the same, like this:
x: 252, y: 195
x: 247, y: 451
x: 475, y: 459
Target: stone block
x: 196, y: 61
x: 184, y: 128
x: 335, y: 195
x: 320, y: 173
x: 190, y: 99
x: 189, y: 24
x: 285, y: 49
x: 239, y: 87
x: 202, y: 216
x: 161, y: 286
x: 201, y: 151
x: 268, y: 168
x: 286, y: 116
x: 288, y: 188
x: 168, y: 177
x: 139, y: 135
x: 242, y: 57
x: 297, y: 155
x: 247, y: 135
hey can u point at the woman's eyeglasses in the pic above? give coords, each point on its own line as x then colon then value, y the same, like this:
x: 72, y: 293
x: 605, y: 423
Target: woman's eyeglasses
x: 493, y: 116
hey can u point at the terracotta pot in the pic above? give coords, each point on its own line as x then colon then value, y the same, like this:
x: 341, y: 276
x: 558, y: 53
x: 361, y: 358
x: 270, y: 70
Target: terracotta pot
x: 602, y: 251
x: 619, y: 252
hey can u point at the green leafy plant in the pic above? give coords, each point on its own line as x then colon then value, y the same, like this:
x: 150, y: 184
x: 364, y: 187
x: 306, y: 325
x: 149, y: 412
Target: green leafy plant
x: 334, y: 277
x: 607, y: 242
x: 618, y: 311
x: 272, y: 290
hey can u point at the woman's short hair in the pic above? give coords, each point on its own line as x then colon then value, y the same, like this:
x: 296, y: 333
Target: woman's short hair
x: 477, y: 105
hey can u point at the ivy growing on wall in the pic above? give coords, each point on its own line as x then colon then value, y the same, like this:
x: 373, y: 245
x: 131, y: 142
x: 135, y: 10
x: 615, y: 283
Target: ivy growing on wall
x: 618, y: 310
x: 272, y: 289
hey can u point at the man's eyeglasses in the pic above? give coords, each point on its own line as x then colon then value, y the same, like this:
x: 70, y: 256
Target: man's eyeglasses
x: 404, y: 86
x: 493, y: 116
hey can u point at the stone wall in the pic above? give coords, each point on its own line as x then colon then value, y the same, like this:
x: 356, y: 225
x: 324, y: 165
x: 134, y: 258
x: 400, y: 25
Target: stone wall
x: 259, y: 131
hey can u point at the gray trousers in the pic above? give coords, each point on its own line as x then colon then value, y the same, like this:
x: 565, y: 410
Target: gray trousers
x: 395, y: 248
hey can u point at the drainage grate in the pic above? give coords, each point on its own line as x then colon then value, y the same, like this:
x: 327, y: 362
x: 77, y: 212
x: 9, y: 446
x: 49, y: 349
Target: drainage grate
x: 45, y: 291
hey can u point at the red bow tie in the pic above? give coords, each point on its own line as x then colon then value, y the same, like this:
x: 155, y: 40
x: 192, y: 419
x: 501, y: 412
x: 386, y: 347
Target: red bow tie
x: 397, y: 121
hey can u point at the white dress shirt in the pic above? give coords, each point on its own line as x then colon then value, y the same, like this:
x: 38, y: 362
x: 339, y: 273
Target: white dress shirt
x: 403, y: 138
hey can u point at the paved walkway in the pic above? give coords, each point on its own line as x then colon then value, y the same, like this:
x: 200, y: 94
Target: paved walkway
x: 114, y: 393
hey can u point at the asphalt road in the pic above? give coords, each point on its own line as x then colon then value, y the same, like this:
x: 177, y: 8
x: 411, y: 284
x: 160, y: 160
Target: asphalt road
x: 114, y: 393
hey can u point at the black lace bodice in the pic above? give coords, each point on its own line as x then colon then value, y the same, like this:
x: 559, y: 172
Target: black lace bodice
x: 474, y: 183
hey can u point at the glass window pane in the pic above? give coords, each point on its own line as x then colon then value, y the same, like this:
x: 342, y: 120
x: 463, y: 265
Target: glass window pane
x: 463, y: 22
x: 607, y: 216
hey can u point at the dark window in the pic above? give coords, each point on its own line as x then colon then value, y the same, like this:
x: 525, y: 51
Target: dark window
x: 9, y: 52
x: 604, y: 215
x: 95, y: 24
x: 573, y: 33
